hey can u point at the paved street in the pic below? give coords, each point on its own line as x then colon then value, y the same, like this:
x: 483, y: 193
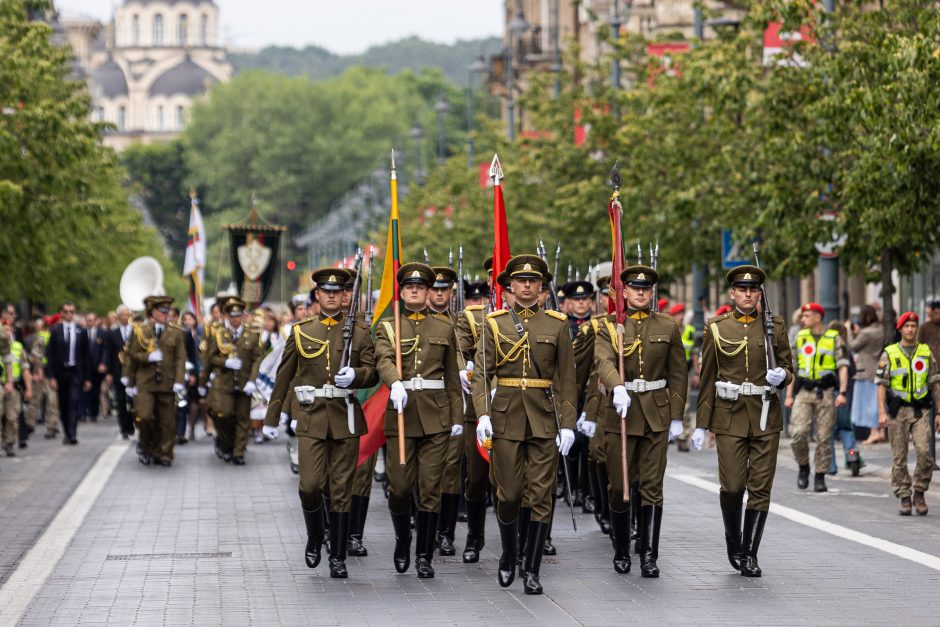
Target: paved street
x: 208, y: 544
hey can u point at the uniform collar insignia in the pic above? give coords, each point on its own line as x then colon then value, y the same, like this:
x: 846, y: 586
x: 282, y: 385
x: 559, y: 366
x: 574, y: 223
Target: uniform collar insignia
x: 638, y: 314
x: 416, y: 315
x: 526, y: 312
x: 742, y: 317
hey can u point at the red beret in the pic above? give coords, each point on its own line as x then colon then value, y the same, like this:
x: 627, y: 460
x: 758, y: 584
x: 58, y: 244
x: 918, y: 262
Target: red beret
x: 676, y: 309
x: 908, y: 316
x: 723, y: 310
x: 662, y: 303
x: 814, y: 307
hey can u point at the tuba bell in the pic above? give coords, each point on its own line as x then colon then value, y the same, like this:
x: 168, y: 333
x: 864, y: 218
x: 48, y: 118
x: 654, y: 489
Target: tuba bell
x: 142, y: 277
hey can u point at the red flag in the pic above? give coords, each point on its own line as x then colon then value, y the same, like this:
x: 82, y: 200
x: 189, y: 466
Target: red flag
x: 501, y: 254
x: 374, y: 410
x: 616, y: 303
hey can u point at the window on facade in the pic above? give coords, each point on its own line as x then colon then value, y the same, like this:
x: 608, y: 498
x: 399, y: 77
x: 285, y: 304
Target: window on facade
x: 160, y: 118
x: 158, y: 30
x: 181, y: 33
x: 203, y: 29
x: 135, y: 30
x: 98, y: 114
x: 180, y: 117
x: 121, y: 118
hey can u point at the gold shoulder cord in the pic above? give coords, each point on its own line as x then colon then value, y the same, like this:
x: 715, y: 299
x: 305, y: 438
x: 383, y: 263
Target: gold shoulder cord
x: 225, y: 349
x: 146, y: 344
x: 412, y: 344
x: 637, y: 344
x: 517, y: 349
x: 738, y: 345
x: 474, y: 326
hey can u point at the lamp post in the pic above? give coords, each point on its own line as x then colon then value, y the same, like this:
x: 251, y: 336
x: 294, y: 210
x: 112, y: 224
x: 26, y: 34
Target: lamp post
x: 517, y: 26
x: 477, y: 67
x: 615, y: 35
x: 440, y: 107
x: 416, y: 133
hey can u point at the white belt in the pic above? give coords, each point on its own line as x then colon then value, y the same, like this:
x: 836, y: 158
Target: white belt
x: 423, y: 384
x: 331, y: 391
x: 642, y: 385
x: 747, y: 388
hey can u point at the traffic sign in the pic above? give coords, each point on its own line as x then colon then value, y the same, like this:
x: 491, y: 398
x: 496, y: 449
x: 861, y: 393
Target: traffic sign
x: 730, y: 252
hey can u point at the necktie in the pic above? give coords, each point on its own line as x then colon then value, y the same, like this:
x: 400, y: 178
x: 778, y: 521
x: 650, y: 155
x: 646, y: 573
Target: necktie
x: 71, y: 337
x: 124, y: 334
x: 159, y: 331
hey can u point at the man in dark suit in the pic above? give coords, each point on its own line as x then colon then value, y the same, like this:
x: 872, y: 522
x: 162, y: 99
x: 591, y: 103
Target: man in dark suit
x: 96, y: 352
x: 68, y: 367
x: 115, y: 339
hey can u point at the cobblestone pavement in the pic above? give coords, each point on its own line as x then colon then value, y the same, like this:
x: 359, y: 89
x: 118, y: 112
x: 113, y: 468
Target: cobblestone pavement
x: 207, y: 543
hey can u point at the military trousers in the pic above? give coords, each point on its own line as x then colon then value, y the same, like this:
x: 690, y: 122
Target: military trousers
x: 450, y: 477
x: 596, y: 448
x: 907, y: 427
x: 12, y: 404
x: 524, y: 473
x: 155, y: 415
x: 42, y: 393
x: 805, y: 405
x: 232, y: 422
x: 424, y: 461
x: 646, y: 463
x: 362, y: 477
x: 688, y: 417
x: 327, y: 466
x: 478, y: 470
x: 748, y: 463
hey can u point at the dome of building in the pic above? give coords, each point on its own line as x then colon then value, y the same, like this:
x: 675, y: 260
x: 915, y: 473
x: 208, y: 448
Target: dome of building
x: 187, y: 78
x: 110, y: 79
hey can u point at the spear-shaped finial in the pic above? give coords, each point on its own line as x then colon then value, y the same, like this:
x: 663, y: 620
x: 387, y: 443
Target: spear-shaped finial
x: 496, y: 170
x: 450, y: 257
x: 427, y: 258
x: 394, y: 171
x: 615, y: 179
x: 192, y: 194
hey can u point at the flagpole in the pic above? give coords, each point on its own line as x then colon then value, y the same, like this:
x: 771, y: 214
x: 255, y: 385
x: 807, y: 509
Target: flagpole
x: 396, y: 303
x: 616, y: 284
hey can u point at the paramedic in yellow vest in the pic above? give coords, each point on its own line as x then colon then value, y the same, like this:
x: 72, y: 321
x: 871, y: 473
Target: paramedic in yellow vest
x: 819, y: 387
x: 18, y: 372
x: 906, y: 373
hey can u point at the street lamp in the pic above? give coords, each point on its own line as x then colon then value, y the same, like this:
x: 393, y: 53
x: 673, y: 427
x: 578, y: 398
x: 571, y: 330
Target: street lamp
x: 615, y: 35
x: 517, y: 27
x: 477, y: 67
x: 440, y: 107
x: 416, y: 133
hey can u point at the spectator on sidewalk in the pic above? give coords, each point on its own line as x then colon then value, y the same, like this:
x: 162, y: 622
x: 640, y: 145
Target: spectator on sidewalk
x: 843, y: 430
x: 866, y: 347
x: 115, y: 341
x: 96, y: 353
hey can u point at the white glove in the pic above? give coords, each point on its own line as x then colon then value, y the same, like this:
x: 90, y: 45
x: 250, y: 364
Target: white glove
x: 776, y: 376
x: 269, y: 432
x: 233, y: 363
x: 465, y: 377
x: 698, y: 438
x: 492, y: 394
x: 581, y: 420
x: 178, y: 388
x: 675, y: 429
x: 284, y: 419
x: 398, y: 396
x: 155, y: 357
x: 588, y: 427
x: 131, y: 391
x: 125, y: 381
x: 293, y: 426
x: 621, y: 400
x: 250, y: 388
x: 202, y: 391
x: 484, y: 429
x: 456, y: 430
x: 564, y: 440
x: 344, y: 377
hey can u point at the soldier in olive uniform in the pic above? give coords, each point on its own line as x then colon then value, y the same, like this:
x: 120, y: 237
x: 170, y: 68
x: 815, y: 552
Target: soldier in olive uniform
x: 579, y: 296
x: 467, y: 330
x: 156, y: 369
x: 735, y: 385
x: 233, y: 355
x: 427, y: 391
x: 212, y: 325
x: 646, y: 399
x: 531, y: 417
x: 327, y: 417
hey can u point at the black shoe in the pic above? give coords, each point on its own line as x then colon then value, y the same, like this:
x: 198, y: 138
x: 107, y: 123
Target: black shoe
x: 143, y: 458
x: 402, y: 525
x: 802, y: 479
x: 294, y: 468
x: 750, y: 541
x: 73, y: 441
x: 819, y: 482
x: 509, y: 536
x: 181, y: 440
x: 635, y: 512
x: 588, y: 507
x: 731, y: 515
x: 238, y: 461
x: 23, y: 444
x: 476, y: 520
x: 339, y: 531
x: 313, y: 520
x: 652, y: 520
x: 525, y: 514
x: 217, y: 448
x: 226, y: 457
x: 548, y: 548
x: 447, y: 523
x: 165, y: 463
x: 125, y: 436
x: 537, y: 536
x: 357, y: 523
x: 620, y: 534
x: 424, y: 549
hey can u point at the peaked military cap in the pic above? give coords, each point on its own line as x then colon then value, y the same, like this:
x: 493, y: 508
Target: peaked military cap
x: 603, y: 284
x: 526, y: 267
x: 235, y: 306
x: 330, y: 279
x: 578, y: 289
x: 415, y: 273
x: 444, y: 277
x: 155, y: 302
x: 746, y: 276
x: 352, y: 279
x: 488, y: 264
x: 477, y: 289
x: 639, y: 276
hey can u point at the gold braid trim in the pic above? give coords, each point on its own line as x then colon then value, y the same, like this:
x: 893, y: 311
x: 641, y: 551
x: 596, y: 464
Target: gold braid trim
x: 147, y: 344
x: 474, y: 326
x: 412, y: 343
x: 323, y: 344
x: 629, y: 350
x: 739, y: 344
x: 517, y: 349
x: 225, y: 349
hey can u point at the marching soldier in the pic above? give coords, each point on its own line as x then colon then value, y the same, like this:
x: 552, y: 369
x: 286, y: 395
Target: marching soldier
x: 579, y: 296
x: 439, y: 297
x: 428, y: 393
x: 734, y: 386
x: 650, y: 394
x: 822, y: 365
x: 233, y: 355
x: 17, y: 371
x: 531, y: 417
x: 156, y: 369
x: 907, y: 372
x: 327, y: 417
x: 467, y: 331
x: 213, y: 324
x: 38, y: 343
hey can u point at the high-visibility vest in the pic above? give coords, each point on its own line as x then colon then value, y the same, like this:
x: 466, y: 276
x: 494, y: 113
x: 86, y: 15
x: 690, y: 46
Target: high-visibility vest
x: 688, y: 340
x: 16, y: 349
x: 908, y: 376
x: 816, y: 360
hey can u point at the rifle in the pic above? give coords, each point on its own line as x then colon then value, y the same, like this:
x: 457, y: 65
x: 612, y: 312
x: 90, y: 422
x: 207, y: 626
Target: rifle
x: 348, y: 328
x: 557, y: 258
x: 370, y: 303
x: 427, y: 258
x: 654, y: 262
x: 461, y: 293
x: 769, y: 357
x: 616, y: 210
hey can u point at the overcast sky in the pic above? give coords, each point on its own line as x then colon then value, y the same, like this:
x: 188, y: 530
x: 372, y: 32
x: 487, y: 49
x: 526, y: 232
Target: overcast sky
x: 342, y: 26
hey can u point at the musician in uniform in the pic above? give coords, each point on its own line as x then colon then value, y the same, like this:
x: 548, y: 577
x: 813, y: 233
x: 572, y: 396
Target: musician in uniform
x: 531, y: 417
x: 736, y: 390
x: 427, y: 391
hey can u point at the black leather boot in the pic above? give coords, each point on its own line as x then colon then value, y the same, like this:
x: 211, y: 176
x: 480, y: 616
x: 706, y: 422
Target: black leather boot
x: 635, y: 508
x: 620, y: 534
x: 652, y: 521
x: 509, y: 536
x: 750, y: 541
x: 538, y: 531
x: 802, y: 479
x: 326, y: 523
x: 603, y: 501
x: 549, y: 548
x: 731, y: 514
x: 314, y: 523
x: 525, y: 514
x: 357, y: 523
x: 447, y: 523
x: 424, y: 550
x: 339, y: 531
x: 402, y: 525
x: 476, y: 519
x: 819, y: 482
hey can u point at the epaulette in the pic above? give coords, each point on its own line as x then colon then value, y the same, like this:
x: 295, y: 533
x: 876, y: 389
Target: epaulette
x: 306, y: 320
x: 175, y: 326
x: 583, y: 329
x: 723, y: 316
x: 557, y: 314
x: 473, y: 308
x: 498, y: 312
